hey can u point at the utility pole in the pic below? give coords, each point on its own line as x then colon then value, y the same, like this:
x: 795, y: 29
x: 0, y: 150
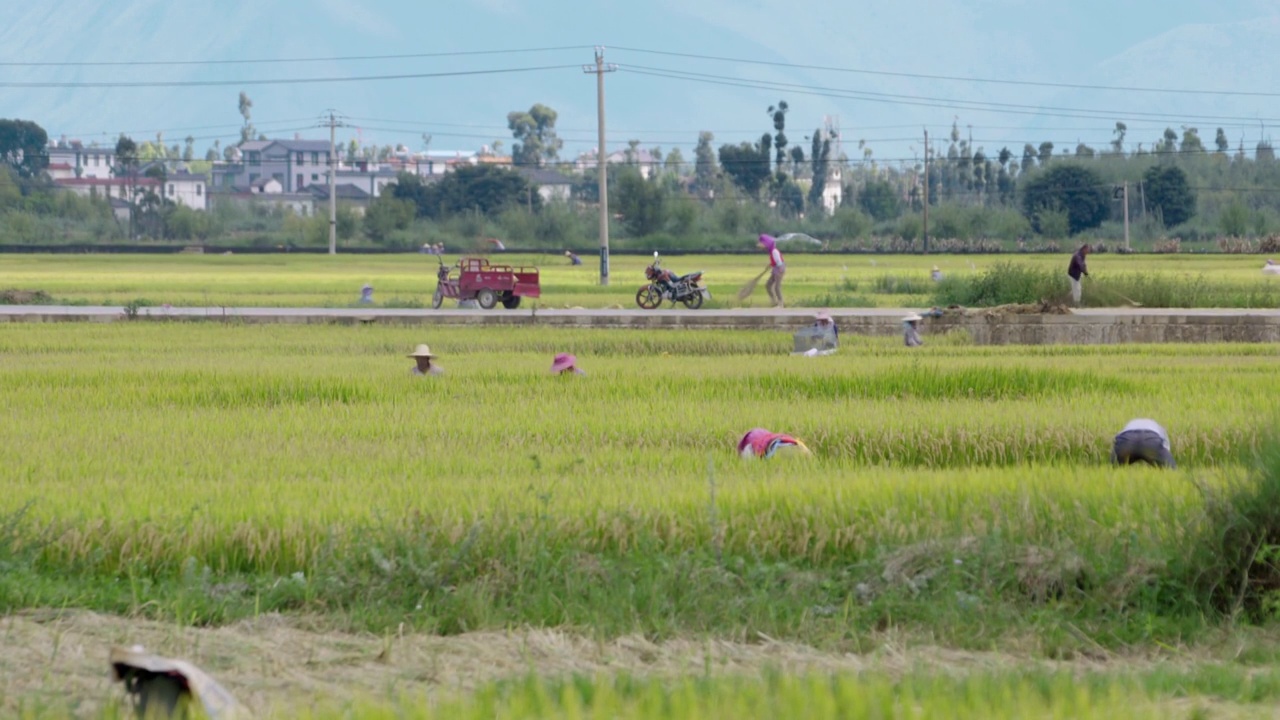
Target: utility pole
x: 333, y: 197
x: 1126, y: 216
x: 601, y: 160
x: 926, y: 190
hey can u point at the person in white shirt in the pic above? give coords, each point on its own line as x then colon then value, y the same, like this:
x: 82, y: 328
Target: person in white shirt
x: 1142, y: 440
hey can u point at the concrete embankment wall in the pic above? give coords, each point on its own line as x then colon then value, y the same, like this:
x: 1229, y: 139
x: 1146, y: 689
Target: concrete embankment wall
x: 1083, y: 328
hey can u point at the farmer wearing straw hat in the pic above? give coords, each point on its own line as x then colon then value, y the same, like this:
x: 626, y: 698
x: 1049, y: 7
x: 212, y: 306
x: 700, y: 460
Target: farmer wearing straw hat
x: 823, y: 321
x: 424, y: 356
x: 911, y: 330
x: 777, y: 268
x: 566, y: 363
x: 1142, y: 440
x: 1077, y: 268
x: 935, y: 274
x: 573, y: 259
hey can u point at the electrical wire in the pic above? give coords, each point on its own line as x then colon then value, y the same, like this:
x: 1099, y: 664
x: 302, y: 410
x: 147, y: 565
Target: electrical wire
x: 273, y: 61
x: 924, y: 101
x: 952, y: 78
x: 280, y: 81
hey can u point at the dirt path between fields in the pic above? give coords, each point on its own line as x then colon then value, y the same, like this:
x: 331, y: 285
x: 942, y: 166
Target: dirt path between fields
x: 60, y: 658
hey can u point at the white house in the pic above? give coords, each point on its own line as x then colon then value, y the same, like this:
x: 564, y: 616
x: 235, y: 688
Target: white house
x: 109, y: 187
x: 644, y: 161
x: 74, y: 160
x: 185, y: 188
x: 551, y: 184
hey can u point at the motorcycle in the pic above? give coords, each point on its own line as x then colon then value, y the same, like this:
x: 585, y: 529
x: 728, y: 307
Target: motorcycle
x: 666, y: 285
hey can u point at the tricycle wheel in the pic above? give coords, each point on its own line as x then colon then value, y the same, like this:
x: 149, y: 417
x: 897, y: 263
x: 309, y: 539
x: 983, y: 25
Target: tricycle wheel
x: 510, y: 302
x: 648, y: 297
x: 437, y: 300
x: 486, y: 299
x: 694, y: 301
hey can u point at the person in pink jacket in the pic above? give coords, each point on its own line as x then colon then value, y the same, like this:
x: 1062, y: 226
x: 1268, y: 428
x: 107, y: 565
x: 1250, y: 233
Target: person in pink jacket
x: 777, y: 268
x: 760, y: 443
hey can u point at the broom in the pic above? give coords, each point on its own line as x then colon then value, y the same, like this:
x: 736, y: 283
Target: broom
x: 750, y: 287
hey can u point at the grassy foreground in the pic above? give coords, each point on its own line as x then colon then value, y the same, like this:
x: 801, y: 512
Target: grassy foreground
x: 204, y: 474
x: 408, y: 280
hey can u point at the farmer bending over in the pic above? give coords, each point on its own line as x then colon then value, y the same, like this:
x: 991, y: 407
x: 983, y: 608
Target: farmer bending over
x: 1142, y: 440
x: 760, y: 443
x: 1077, y: 268
x: 424, y: 357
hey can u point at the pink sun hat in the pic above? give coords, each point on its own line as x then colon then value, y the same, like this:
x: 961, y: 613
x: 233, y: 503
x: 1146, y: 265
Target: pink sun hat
x: 564, y: 361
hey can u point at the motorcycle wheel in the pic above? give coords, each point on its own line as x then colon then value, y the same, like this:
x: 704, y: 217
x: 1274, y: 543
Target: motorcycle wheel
x: 648, y: 297
x: 486, y: 299
x: 511, y: 302
x: 437, y: 300
x: 694, y: 301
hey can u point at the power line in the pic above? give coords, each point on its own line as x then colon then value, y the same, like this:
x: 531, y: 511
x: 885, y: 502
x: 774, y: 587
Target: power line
x: 923, y: 101
x: 954, y: 78
x: 280, y: 81
x: 264, y: 61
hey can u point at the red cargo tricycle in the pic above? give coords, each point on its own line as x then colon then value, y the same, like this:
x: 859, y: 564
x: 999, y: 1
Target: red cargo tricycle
x: 487, y: 284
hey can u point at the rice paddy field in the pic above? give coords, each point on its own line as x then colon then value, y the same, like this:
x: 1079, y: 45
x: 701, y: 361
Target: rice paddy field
x: 292, y: 509
x: 408, y: 280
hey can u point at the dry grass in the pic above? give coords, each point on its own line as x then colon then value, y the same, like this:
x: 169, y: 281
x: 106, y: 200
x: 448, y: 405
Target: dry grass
x: 61, y: 657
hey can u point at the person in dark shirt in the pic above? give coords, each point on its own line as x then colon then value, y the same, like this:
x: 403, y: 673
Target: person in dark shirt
x: 1077, y: 268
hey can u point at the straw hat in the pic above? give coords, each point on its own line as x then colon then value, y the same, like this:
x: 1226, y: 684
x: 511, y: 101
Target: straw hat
x: 421, y: 351
x: 562, y: 362
x: 823, y: 315
x: 935, y: 268
x: 913, y: 317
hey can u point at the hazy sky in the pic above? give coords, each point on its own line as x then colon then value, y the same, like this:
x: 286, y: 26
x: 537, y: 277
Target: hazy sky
x: 1139, y: 44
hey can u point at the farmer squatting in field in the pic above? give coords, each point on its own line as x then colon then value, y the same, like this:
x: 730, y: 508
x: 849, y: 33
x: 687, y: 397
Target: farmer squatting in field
x: 566, y: 363
x: 1142, y: 440
x: 424, y: 356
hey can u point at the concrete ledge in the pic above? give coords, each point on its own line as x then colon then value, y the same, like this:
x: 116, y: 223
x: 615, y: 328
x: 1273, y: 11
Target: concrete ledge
x: 1084, y: 327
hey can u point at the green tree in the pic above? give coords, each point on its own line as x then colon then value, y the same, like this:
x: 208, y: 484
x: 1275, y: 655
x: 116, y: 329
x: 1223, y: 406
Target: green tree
x: 212, y: 154
x: 1168, y: 144
x: 820, y: 161
x: 879, y: 200
x: 747, y: 165
x: 386, y: 215
x: 189, y: 149
x: 704, y: 170
x: 247, y: 131
x: 788, y: 195
x: 641, y: 203
x: 1117, y: 138
x: 487, y: 189
x: 674, y: 162
x: 1221, y: 142
x: 535, y: 134
x: 1046, y: 153
x: 1078, y: 191
x: 127, y: 167
x: 779, y: 114
x: 1234, y: 219
x: 24, y: 147
x: 1191, y: 140
x: 1028, y: 158
x: 1169, y: 193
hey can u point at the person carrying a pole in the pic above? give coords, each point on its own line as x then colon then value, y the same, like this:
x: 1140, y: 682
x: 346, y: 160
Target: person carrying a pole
x: 1076, y: 269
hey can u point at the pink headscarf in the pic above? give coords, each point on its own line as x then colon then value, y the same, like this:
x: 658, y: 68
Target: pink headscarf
x: 768, y: 242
